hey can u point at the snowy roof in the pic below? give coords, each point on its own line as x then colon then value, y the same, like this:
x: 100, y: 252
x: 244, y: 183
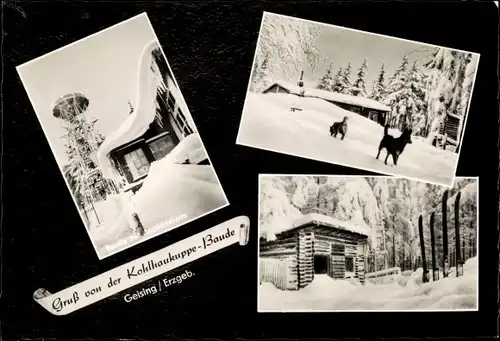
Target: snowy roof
x: 322, y: 219
x: 333, y: 96
x: 454, y: 116
x: 136, y: 124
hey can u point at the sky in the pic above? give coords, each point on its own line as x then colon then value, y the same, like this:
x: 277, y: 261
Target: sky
x: 102, y: 66
x: 339, y: 46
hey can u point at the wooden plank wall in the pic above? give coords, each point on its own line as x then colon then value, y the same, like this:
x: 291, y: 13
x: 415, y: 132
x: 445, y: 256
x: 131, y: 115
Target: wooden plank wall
x: 359, y: 263
x: 324, y: 237
x: 305, y: 256
x: 284, y: 249
x: 277, y: 272
x: 337, y: 269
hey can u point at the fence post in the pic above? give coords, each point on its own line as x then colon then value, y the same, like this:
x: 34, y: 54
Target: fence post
x: 393, y: 249
x: 464, y: 258
x: 403, y: 254
x: 473, y: 241
x: 386, y: 265
x: 444, y: 211
x: 425, y: 273
x: 460, y: 269
x: 435, y: 269
x: 139, y: 228
x: 471, y: 244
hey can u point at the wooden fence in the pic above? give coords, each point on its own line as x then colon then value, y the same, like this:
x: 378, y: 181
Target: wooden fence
x: 274, y: 271
x: 383, y: 273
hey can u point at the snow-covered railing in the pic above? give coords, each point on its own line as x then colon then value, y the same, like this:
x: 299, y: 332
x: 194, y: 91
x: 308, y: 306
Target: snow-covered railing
x: 383, y: 273
x: 274, y: 271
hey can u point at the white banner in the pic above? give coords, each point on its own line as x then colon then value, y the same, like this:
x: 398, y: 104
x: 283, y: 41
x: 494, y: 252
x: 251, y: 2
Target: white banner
x: 142, y: 269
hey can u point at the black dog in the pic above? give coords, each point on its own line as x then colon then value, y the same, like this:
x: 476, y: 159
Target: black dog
x: 394, y: 146
x: 339, y: 128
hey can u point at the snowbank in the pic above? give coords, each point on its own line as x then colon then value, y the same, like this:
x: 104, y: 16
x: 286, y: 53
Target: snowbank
x: 189, y: 149
x: 172, y: 194
x: 268, y: 123
x: 324, y: 293
x: 172, y: 190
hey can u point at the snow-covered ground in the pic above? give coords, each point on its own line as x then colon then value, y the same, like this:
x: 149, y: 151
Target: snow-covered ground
x: 172, y: 195
x: 268, y: 123
x: 403, y: 292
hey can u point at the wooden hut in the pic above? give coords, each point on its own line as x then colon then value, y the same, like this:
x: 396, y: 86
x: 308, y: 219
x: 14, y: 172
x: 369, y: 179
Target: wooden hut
x: 318, y: 244
x: 365, y: 107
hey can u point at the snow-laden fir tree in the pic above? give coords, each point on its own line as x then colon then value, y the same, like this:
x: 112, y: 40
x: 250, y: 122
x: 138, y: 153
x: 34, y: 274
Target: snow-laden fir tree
x: 289, y: 46
x: 359, y: 86
x: 467, y: 84
x: 449, y: 87
x: 387, y: 207
x: 327, y: 81
x: 394, y: 87
x: 345, y: 80
x: 378, y: 90
x: 276, y: 209
x: 416, y: 94
x: 260, y: 74
x: 337, y: 81
x: 407, y: 98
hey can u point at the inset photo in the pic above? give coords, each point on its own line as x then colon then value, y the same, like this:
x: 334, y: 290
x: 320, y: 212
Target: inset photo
x: 358, y: 99
x: 352, y: 243
x: 122, y: 136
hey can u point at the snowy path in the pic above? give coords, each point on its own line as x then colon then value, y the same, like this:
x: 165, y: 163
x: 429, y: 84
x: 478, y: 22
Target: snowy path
x: 268, y: 123
x: 404, y: 293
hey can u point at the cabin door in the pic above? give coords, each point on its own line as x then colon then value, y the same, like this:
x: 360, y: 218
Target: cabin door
x: 321, y: 264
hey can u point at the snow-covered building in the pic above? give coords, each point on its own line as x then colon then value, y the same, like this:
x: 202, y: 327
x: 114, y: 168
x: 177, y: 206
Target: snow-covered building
x: 159, y: 121
x: 451, y: 128
x: 318, y: 244
x: 366, y: 107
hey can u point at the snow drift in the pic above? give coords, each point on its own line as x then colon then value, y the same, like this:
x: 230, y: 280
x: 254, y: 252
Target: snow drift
x: 172, y: 194
x: 268, y: 123
x: 403, y: 293
x: 173, y: 189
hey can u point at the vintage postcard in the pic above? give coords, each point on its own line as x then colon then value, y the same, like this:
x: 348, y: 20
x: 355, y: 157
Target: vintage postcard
x: 358, y: 99
x: 377, y: 243
x: 122, y: 135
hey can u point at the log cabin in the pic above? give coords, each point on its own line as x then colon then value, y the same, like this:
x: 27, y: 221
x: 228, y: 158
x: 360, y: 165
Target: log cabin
x: 365, y: 107
x: 318, y: 244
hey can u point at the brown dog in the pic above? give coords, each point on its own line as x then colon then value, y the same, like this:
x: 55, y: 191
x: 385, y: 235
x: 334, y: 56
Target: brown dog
x: 339, y: 128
